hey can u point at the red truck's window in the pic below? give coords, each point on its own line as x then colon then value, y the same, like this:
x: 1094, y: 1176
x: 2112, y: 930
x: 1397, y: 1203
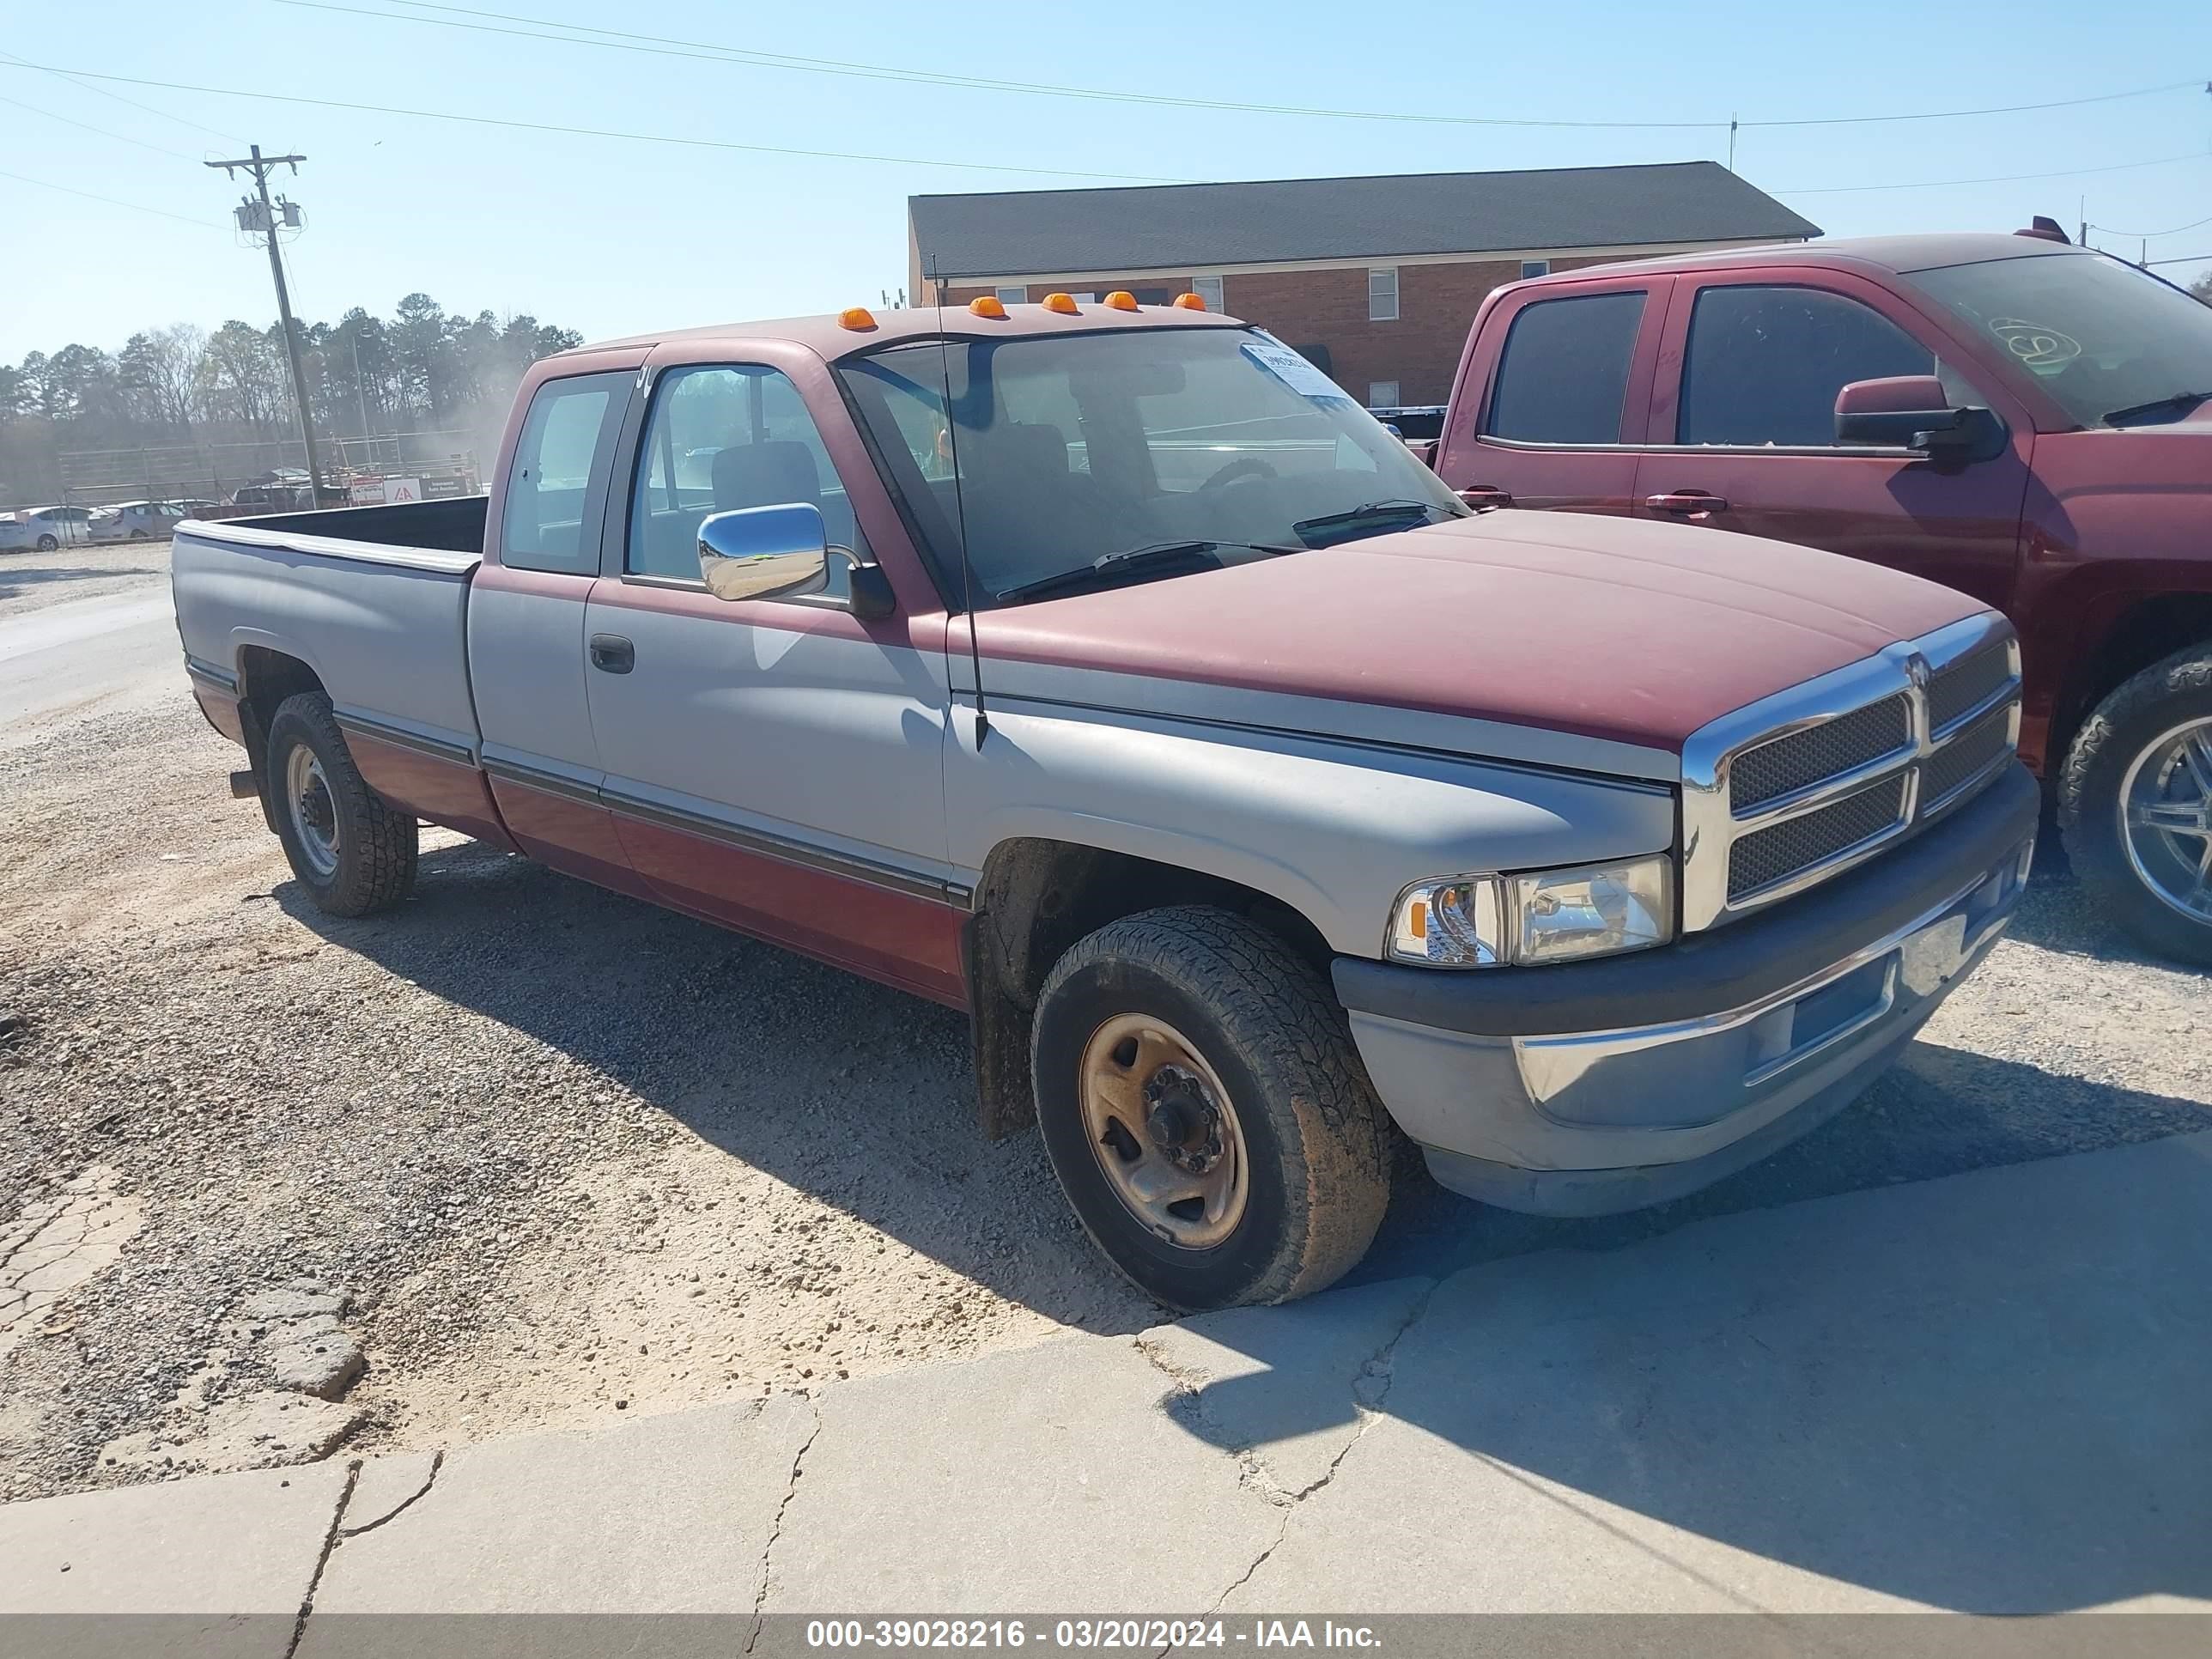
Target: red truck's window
x: 1765, y: 364
x: 1565, y: 374
x: 562, y: 449
x: 722, y: 438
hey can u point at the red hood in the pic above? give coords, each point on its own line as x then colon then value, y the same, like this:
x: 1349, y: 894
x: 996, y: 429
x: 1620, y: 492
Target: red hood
x: 1619, y: 628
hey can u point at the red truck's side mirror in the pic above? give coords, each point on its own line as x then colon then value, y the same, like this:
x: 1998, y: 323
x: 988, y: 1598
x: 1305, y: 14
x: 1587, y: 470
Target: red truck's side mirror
x: 1913, y: 411
x: 1423, y: 450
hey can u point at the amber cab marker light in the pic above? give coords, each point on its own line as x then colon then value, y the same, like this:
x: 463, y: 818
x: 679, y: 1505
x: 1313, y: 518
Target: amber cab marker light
x: 1063, y: 303
x: 988, y: 304
x: 856, y: 316
x: 1121, y: 300
x: 1188, y: 302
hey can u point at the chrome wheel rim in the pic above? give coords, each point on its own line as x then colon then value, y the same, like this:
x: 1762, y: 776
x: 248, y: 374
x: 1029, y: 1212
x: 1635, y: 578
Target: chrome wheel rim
x: 1164, y: 1132
x: 2166, y: 818
x: 315, y: 812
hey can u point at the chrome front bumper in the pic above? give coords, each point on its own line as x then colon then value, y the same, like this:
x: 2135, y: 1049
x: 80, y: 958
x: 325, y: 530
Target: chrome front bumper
x: 1592, y: 1122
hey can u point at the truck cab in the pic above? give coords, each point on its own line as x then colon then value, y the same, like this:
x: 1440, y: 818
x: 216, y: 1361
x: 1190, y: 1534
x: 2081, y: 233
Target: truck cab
x: 2025, y: 421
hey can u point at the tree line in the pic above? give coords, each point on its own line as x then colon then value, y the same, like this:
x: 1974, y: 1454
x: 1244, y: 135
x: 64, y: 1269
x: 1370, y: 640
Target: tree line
x: 425, y: 370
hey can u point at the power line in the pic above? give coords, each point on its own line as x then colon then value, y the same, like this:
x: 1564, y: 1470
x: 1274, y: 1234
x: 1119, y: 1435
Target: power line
x: 605, y: 132
x: 669, y: 47
x: 264, y: 216
x: 87, y: 126
x: 2153, y: 234
x: 118, y: 98
x: 2004, y: 179
x: 89, y: 196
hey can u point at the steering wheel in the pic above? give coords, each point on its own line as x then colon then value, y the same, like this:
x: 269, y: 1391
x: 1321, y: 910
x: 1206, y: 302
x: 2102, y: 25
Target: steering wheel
x: 1246, y: 466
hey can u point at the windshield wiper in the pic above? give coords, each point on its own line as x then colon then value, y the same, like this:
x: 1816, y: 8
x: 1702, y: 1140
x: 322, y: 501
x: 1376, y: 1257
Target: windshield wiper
x: 1130, y: 563
x: 2181, y: 403
x: 1373, y: 511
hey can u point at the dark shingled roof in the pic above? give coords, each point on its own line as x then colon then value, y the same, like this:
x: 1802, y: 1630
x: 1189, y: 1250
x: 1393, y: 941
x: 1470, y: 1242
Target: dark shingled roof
x: 1288, y: 220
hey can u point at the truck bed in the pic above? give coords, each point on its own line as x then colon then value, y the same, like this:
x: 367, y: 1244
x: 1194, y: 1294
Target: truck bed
x: 374, y: 599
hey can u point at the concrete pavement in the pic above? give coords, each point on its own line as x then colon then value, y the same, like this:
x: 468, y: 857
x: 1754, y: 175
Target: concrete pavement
x: 1983, y: 1394
x: 88, y: 656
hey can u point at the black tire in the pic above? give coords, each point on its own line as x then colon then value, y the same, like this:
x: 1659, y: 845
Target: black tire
x: 377, y: 845
x: 1316, y: 1141
x: 2128, y: 722
x: 48, y: 545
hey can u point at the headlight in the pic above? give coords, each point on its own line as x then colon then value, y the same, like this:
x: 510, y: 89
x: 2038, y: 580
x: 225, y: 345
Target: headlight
x: 1552, y: 915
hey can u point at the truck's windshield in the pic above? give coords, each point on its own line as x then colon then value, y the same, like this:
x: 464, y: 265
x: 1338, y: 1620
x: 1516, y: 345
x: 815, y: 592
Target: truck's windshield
x: 1064, y: 450
x: 2102, y: 338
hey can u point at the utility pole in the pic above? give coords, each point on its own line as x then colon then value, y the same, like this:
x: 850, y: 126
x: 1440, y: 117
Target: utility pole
x: 263, y: 218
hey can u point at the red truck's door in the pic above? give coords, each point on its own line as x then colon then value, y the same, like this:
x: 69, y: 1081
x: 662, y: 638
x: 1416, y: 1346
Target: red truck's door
x: 1746, y: 391
x: 1553, y: 418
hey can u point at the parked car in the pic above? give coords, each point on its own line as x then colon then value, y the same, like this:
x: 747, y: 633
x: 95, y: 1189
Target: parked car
x: 137, y: 521
x: 2027, y: 422
x: 46, y: 528
x: 1245, y: 811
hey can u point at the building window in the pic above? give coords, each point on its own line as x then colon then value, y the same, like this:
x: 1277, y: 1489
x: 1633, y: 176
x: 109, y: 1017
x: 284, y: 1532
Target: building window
x: 1383, y: 293
x: 1535, y: 268
x: 1012, y: 296
x: 1208, y: 288
x: 1382, y: 394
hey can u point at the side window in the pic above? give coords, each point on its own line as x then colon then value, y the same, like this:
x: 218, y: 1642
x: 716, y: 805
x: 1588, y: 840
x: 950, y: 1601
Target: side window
x: 1764, y: 364
x: 1564, y: 376
x: 720, y: 439
x: 566, y: 439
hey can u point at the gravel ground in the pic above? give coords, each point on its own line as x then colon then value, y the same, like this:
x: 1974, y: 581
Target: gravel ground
x: 559, y: 1155
x: 30, y: 581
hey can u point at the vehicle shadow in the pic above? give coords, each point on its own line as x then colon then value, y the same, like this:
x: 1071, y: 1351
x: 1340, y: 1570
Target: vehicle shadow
x: 1986, y: 1397
x: 15, y: 580
x: 857, y: 1094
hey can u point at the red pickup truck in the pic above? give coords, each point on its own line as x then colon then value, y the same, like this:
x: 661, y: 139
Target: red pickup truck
x: 2024, y: 420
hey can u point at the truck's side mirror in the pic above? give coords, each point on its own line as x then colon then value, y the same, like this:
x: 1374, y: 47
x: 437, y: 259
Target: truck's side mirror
x: 783, y: 552
x: 1912, y: 411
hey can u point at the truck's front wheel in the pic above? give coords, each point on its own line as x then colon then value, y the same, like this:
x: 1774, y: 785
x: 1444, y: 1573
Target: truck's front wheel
x: 2134, y: 803
x: 1206, y: 1112
x: 351, y: 850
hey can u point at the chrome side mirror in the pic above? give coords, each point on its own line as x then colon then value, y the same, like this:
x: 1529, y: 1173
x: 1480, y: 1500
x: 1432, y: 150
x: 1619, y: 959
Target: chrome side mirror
x: 783, y: 552
x: 765, y: 552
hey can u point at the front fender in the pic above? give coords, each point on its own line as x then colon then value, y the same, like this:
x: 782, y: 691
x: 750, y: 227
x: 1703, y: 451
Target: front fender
x: 1335, y: 830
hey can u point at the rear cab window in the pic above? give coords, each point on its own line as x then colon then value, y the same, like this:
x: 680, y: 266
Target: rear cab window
x: 1563, y: 375
x: 557, y: 476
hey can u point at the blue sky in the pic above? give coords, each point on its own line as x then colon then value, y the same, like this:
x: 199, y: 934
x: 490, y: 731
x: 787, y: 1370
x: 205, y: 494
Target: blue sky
x: 611, y: 237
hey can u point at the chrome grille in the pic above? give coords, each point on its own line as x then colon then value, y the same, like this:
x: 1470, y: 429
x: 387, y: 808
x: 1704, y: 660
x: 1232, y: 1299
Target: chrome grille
x: 1966, y: 683
x: 1826, y: 750
x: 1943, y: 781
x: 1766, y: 856
x: 1804, y: 784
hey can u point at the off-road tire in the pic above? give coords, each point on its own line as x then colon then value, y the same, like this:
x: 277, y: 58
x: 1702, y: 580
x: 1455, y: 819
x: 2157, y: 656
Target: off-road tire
x: 2133, y: 717
x: 1317, y: 1141
x: 377, y: 845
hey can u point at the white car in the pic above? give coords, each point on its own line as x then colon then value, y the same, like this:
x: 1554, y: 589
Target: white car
x: 43, y: 529
x: 136, y: 521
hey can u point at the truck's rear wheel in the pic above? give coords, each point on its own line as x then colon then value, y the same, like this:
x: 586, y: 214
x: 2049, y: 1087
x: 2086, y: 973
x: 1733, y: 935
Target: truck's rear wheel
x: 1206, y: 1112
x: 353, y: 852
x: 2135, y: 804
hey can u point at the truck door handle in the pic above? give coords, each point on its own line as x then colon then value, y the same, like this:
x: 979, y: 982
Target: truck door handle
x: 1486, y: 495
x: 1691, y: 503
x: 613, y: 654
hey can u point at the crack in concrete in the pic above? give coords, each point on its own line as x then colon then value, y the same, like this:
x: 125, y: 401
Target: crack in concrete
x: 775, y: 1530
x: 401, y: 1508
x: 1371, y: 1387
x: 322, y: 1560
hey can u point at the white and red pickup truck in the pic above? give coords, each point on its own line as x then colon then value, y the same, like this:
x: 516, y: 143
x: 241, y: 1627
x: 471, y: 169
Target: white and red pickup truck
x: 1104, y: 671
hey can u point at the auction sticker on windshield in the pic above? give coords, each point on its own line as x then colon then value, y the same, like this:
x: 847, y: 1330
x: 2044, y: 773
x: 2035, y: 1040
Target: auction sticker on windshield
x: 1292, y: 369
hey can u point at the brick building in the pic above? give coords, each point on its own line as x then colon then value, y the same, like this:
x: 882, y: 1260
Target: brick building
x: 1375, y: 279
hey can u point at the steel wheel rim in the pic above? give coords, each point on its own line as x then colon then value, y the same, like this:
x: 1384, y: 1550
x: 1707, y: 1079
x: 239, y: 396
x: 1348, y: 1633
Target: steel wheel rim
x: 1165, y: 1135
x: 313, y: 810
x: 2166, y: 818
